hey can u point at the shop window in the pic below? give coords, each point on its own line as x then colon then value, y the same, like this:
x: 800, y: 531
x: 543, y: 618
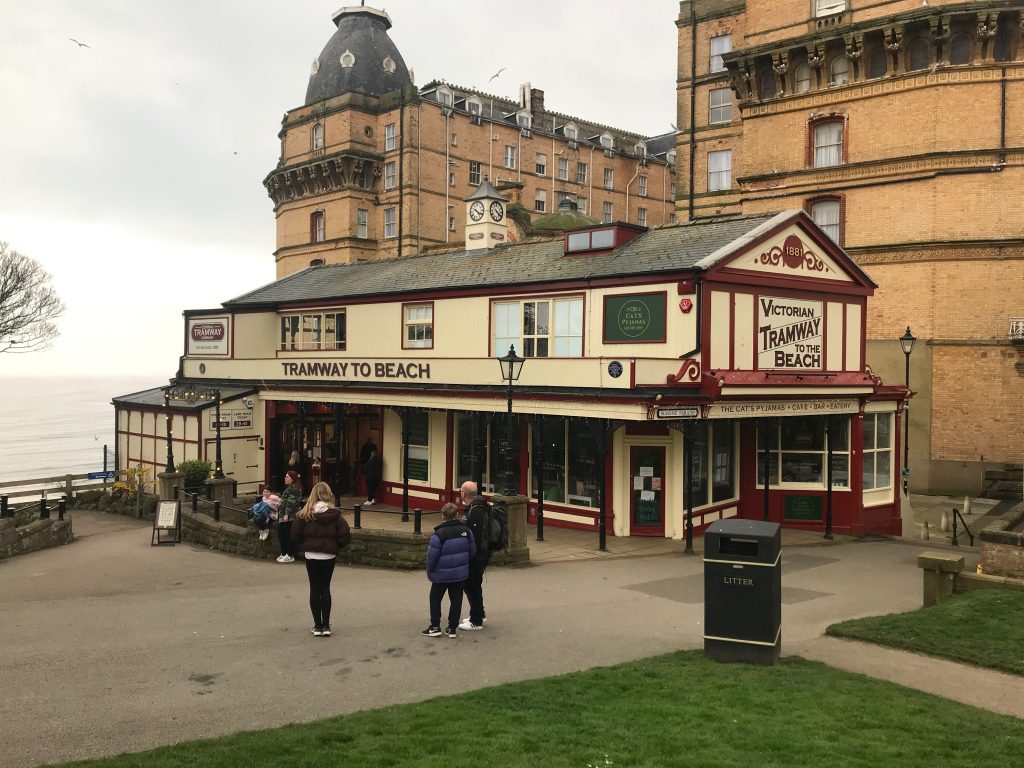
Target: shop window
x: 418, y: 423
x: 828, y: 143
x: 720, y: 44
x: 960, y: 49
x: 539, y: 328
x: 878, y: 62
x: 362, y: 223
x: 317, y: 227
x: 474, y: 173
x: 719, y: 170
x: 390, y: 222
x: 798, y: 451
x: 827, y: 214
x: 390, y: 175
x: 313, y: 331
x: 720, y: 100
x: 713, y: 462
x: 918, y: 54
x: 877, y: 470
x: 839, y: 71
x: 418, y: 325
x: 802, y: 78
x: 570, y: 472
x: 389, y: 136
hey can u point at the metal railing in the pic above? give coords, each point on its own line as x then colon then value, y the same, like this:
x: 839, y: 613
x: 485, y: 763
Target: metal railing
x: 6, y: 510
x: 953, y: 541
x: 417, y: 516
x: 196, y: 501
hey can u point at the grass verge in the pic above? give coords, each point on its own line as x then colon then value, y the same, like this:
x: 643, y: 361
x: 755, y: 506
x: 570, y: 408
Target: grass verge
x: 984, y: 627
x: 678, y: 709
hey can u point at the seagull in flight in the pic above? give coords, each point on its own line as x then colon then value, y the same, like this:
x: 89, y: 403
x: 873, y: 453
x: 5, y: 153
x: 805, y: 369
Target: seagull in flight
x: 497, y: 73
x: 80, y: 45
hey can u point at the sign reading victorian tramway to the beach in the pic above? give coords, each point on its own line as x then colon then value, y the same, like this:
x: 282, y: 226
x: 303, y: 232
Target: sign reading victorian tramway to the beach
x: 208, y: 336
x: 789, y: 334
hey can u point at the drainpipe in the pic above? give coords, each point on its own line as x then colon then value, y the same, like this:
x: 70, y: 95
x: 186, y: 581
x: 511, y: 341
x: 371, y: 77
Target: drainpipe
x: 697, y: 290
x: 401, y: 170
x: 590, y: 194
x: 1002, y: 114
x: 627, y: 189
x: 447, y: 171
x: 693, y: 101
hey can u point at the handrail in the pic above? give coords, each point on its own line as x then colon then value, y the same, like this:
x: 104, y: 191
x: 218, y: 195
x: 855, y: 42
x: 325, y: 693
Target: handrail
x: 6, y: 511
x: 55, y: 479
x: 956, y: 514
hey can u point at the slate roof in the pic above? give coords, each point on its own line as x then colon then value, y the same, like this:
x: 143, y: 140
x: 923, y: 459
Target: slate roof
x: 155, y: 397
x: 664, y: 250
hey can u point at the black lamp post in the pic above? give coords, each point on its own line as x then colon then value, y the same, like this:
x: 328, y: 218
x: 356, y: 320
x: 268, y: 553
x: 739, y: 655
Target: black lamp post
x: 511, y: 367
x: 167, y: 417
x: 907, y: 342
x: 192, y: 395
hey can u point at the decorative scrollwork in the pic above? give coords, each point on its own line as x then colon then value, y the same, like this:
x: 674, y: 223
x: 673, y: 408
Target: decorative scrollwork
x: 772, y: 256
x: 689, y: 370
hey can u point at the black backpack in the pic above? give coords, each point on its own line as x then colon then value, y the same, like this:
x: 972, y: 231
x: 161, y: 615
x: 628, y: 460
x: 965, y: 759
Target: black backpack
x: 489, y: 523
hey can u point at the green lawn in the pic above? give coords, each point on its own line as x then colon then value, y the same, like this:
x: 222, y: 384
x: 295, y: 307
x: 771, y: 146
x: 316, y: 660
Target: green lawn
x: 672, y: 710
x: 984, y: 627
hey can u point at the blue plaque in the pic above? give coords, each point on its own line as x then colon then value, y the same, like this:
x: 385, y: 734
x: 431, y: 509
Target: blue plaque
x: 615, y: 369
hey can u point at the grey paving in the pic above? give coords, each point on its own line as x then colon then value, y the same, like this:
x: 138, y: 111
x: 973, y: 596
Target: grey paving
x: 110, y: 645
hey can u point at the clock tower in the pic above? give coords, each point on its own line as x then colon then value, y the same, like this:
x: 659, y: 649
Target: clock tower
x: 486, y: 223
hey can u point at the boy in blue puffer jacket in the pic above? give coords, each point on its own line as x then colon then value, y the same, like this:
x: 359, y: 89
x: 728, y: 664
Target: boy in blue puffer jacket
x: 451, y: 548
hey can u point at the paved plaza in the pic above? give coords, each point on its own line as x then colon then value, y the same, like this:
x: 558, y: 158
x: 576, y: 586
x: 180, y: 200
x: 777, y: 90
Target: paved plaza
x: 111, y: 645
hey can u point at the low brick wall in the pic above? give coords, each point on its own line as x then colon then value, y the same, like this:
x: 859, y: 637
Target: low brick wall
x: 25, y: 533
x: 1002, y: 545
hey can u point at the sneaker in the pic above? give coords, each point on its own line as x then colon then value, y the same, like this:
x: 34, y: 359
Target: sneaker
x: 280, y: 558
x: 450, y: 632
x: 372, y: 501
x: 325, y: 631
x: 317, y: 631
x: 431, y: 632
x: 469, y: 626
x: 286, y: 559
x: 264, y: 534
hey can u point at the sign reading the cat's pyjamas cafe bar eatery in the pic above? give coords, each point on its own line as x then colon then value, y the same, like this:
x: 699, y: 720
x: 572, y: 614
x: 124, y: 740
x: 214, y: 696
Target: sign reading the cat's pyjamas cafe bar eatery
x: 789, y: 334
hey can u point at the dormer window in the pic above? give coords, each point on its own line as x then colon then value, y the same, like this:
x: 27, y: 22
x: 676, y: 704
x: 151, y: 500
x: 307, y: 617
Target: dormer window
x: 607, y: 141
x: 524, y: 119
x: 599, y: 239
x: 640, y: 149
x: 473, y: 105
x: 445, y: 97
x: 670, y: 157
x: 572, y: 135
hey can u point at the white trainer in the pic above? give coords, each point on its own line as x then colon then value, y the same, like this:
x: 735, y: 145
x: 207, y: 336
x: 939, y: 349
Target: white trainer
x: 286, y: 559
x: 264, y: 533
x: 469, y: 626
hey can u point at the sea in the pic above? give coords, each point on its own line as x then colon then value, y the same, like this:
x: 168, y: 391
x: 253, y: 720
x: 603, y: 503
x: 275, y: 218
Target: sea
x: 60, y: 425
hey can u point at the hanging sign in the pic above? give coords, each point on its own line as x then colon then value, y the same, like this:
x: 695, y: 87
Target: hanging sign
x: 789, y: 334
x: 208, y: 336
x: 634, y: 318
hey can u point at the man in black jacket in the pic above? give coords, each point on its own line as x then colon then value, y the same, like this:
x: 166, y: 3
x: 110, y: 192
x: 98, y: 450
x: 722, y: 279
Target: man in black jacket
x: 476, y: 516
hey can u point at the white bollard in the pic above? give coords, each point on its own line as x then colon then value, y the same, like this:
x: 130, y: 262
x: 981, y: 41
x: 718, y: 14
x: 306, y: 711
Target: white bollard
x: 924, y: 531
x: 967, y: 506
x: 944, y: 522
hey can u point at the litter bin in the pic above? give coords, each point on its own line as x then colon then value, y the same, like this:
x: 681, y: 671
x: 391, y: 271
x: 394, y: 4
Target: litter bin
x: 743, y: 592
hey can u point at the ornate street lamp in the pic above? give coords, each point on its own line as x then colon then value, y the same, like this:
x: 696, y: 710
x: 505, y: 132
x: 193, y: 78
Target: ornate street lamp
x: 511, y: 367
x: 192, y: 395
x: 907, y: 343
x: 169, y: 469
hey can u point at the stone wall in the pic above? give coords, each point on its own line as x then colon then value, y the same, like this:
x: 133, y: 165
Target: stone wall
x: 25, y: 533
x: 1002, y: 545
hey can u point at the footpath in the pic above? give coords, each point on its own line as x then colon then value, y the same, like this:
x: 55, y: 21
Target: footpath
x: 111, y: 645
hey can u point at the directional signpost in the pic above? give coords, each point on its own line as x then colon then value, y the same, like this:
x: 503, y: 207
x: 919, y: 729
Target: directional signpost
x: 102, y: 475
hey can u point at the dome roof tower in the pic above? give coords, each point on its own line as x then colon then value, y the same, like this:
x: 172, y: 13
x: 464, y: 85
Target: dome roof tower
x: 359, y: 57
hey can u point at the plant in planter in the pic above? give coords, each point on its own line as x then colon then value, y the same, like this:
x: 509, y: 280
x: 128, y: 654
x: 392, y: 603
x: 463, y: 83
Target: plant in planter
x: 196, y: 471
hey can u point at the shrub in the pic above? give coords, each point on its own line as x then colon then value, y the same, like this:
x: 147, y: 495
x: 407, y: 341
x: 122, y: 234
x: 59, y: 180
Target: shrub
x: 196, y: 471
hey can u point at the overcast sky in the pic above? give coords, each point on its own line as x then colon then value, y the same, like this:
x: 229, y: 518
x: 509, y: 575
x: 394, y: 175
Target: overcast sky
x: 132, y: 168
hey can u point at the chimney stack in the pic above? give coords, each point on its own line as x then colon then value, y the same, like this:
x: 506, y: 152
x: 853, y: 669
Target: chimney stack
x: 537, y: 105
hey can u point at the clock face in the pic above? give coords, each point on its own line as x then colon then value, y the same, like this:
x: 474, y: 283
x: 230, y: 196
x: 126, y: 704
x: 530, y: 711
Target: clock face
x: 476, y: 210
x: 497, y: 212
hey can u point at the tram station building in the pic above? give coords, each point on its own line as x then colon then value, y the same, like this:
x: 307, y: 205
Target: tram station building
x: 726, y: 355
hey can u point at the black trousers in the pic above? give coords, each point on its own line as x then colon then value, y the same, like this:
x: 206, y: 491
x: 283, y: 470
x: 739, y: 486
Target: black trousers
x: 454, y: 590
x: 371, y: 488
x: 320, y: 573
x: 475, y: 588
x: 284, y: 537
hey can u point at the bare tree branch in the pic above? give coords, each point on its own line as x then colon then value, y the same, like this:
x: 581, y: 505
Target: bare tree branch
x: 28, y: 305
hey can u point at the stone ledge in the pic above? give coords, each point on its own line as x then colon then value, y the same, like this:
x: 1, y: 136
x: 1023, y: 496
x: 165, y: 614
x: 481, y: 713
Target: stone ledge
x: 18, y: 537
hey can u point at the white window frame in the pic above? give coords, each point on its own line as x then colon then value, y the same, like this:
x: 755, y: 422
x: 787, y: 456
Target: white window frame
x: 318, y: 136
x: 304, y: 331
x: 475, y: 169
x: 720, y: 44
x: 563, y: 169
x: 802, y: 78
x: 362, y: 223
x: 510, y: 157
x: 719, y: 170
x: 390, y: 223
x: 418, y: 326
x: 389, y: 137
x: 390, y: 175
x: 827, y: 214
x: 607, y: 213
x: 828, y: 137
x: 609, y: 178
x: 581, y: 204
x: 828, y: 7
x: 720, y: 106
x: 871, y: 452
x: 318, y: 227
x: 641, y: 217
x: 607, y: 141
x: 641, y: 186
x: 540, y: 201
x: 564, y: 334
x: 541, y: 164
x: 839, y: 70
x: 581, y: 173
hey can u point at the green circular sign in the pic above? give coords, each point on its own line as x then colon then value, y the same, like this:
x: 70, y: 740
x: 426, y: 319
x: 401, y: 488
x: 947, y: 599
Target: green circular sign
x: 634, y: 319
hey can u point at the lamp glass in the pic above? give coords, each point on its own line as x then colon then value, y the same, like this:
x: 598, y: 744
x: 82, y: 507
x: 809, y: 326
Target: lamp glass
x: 907, y: 341
x: 511, y: 365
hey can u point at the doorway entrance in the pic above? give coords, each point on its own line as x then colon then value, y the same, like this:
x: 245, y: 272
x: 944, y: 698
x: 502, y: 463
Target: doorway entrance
x: 647, y: 491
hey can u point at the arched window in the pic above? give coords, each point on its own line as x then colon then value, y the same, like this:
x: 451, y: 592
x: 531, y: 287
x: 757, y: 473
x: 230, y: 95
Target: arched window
x: 918, y: 55
x: 877, y: 62
x: 802, y: 78
x: 839, y: 71
x: 827, y: 214
x: 318, y: 136
x: 767, y: 83
x: 317, y: 227
x: 960, y: 49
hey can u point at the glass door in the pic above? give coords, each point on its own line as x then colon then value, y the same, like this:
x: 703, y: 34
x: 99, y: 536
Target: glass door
x: 647, y: 491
